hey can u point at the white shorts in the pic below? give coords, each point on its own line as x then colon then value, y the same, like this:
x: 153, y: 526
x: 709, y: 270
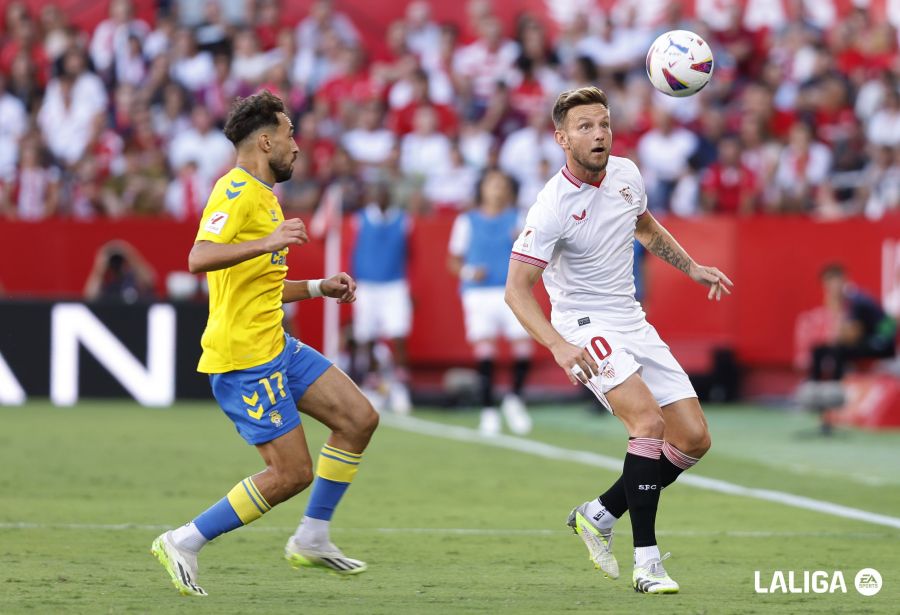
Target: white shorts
x: 488, y: 317
x: 623, y: 353
x: 381, y: 311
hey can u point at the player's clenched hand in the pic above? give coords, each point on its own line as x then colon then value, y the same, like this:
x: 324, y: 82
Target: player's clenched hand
x: 289, y: 233
x: 341, y: 287
x: 717, y: 281
x: 577, y: 362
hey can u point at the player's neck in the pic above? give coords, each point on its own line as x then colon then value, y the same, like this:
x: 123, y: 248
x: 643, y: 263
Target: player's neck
x: 595, y: 178
x: 259, y: 169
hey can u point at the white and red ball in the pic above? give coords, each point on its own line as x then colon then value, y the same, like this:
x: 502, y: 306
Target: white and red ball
x: 679, y: 63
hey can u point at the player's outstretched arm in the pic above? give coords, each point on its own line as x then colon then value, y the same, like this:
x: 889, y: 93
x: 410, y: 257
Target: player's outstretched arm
x: 211, y: 256
x: 341, y: 287
x: 519, y: 297
x: 660, y: 242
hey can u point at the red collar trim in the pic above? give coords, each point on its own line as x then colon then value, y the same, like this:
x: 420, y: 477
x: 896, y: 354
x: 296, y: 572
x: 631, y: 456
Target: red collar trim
x: 578, y: 182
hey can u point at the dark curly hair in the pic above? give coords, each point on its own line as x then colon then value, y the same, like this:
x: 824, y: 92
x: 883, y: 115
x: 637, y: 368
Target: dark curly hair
x: 252, y: 113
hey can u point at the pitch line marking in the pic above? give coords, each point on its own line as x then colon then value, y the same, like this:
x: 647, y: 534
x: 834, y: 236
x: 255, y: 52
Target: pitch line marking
x: 549, y: 451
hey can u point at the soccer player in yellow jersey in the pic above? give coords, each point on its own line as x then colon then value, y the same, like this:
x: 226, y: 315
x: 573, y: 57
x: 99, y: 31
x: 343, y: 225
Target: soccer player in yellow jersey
x: 261, y: 376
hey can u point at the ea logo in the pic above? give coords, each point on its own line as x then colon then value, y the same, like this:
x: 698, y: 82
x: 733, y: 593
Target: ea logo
x: 868, y: 581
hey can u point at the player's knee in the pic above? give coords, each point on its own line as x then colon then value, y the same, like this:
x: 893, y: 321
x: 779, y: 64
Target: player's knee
x: 296, y: 480
x: 358, y: 422
x: 365, y: 421
x: 649, y: 425
x: 694, y: 443
x: 700, y: 444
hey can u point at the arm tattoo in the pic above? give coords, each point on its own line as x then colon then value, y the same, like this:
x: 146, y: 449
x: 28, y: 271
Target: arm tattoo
x: 662, y: 247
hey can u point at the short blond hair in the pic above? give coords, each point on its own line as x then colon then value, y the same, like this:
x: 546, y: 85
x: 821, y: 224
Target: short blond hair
x: 588, y: 95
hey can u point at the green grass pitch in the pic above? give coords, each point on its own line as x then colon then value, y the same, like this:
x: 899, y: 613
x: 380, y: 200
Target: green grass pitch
x: 446, y: 526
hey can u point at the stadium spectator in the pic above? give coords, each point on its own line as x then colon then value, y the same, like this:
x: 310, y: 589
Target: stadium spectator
x: 24, y: 40
x: 248, y: 63
x: 267, y: 26
x: 323, y: 18
x: 169, y: 115
x: 539, y: 61
x: 110, y: 40
x: 500, y: 117
x: 802, y: 170
x: 882, y: 184
x: 140, y: 189
x: 57, y: 35
x: 413, y: 91
x: 185, y: 195
x: 204, y: 144
x: 453, y: 187
x: 423, y: 35
x: 213, y: 34
x: 32, y: 193
x: 192, y: 67
x: 120, y: 274
x: 369, y: 143
x: 13, y: 125
x: 350, y: 87
x: 159, y: 40
x: 65, y: 120
x: 486, y: 61
x: 728, y: 185
x: 884, y: 126
x: 663, y: 153
x: 528, y: 153
x: 424, y: 151
x: 301, y: 194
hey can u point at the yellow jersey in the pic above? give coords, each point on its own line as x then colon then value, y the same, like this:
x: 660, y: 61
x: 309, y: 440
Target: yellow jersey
x: 244, y: 327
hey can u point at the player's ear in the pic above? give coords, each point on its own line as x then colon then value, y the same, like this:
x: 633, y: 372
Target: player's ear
x: 560, y: 138
x: 264, y: 142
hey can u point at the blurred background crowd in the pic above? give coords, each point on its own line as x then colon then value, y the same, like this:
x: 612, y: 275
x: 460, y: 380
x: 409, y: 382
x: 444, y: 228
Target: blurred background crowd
x: 802, y: 115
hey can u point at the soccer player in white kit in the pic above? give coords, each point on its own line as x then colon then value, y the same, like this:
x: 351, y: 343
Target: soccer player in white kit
x: 579, y: 236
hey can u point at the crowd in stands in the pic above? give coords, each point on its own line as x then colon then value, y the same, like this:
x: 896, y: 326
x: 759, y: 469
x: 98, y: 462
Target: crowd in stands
x: 802, y: 114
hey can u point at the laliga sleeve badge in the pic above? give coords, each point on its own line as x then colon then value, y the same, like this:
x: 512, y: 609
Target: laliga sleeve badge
x: 216, y: 222
x: 528, y: 234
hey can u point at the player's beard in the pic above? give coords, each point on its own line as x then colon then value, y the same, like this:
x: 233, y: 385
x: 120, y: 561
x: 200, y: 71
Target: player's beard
x: 282, y: 172
x: 591, y: 166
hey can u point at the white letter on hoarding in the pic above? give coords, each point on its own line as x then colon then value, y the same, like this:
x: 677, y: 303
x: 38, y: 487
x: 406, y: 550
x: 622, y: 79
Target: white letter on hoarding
x: 73, y: 323
x: 11, y: 392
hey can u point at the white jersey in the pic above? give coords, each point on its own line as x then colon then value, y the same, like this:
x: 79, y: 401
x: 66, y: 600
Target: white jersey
x: 583, y: 237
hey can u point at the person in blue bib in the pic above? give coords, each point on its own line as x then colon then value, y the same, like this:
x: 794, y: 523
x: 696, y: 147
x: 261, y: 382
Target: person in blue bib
x: 383, y: 310
x: 480, y: 243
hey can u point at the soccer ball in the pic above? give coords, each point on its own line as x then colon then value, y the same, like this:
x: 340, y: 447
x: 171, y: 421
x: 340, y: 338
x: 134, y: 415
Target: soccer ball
x: 679, y: 63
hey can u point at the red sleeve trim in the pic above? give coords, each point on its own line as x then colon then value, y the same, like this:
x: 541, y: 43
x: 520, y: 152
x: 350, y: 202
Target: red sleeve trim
x: 518, y: 256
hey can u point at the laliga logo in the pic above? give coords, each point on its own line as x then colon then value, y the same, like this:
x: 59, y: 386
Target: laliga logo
x: 867, y: 582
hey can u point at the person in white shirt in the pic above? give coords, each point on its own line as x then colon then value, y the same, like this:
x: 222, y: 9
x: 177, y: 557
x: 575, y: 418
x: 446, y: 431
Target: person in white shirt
x: 13, y: 125
x: 209, y: 148
x: 524, y: 153
x: 664, y: 152
x: 110, y: 38
x: 369, y: 143
x: 424, y: 152
x: 579, y: 235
